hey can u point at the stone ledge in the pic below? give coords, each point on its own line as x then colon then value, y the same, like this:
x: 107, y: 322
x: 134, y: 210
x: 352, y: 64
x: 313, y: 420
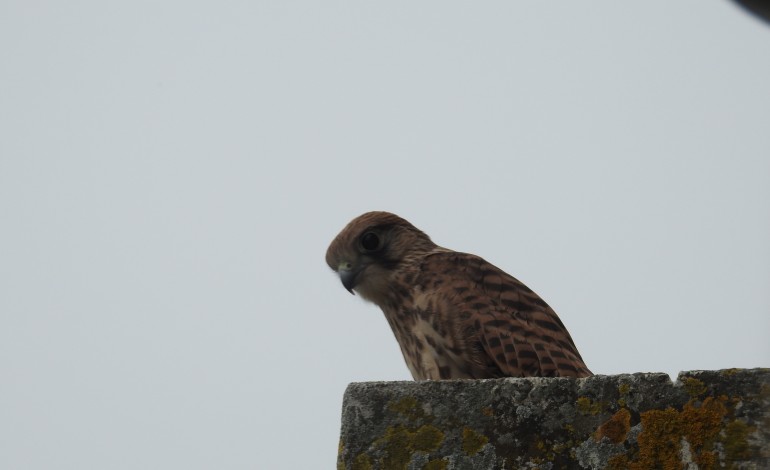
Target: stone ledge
x: 707, y: 419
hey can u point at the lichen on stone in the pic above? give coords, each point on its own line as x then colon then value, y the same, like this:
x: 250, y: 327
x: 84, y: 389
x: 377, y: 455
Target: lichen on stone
x: 436, y: 464
x: 623, y: 390
x: 587, y: 406
x: 616, y: 428
x: 708, y: 419
x: 660, y: 443
x: 693, y: 386
x: 400, y: 442
x: 361, y: 462
x: 409, y: 408
x: 736, y: 441
x: 473, y: 441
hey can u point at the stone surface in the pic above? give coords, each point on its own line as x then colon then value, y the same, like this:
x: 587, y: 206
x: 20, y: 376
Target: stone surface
x: 707, y: 419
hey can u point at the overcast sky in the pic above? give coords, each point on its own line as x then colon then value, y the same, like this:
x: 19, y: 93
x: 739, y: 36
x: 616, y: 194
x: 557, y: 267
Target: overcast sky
x: 171, y: 174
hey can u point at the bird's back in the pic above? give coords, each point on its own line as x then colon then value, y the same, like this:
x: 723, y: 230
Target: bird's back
x: 466, y: 318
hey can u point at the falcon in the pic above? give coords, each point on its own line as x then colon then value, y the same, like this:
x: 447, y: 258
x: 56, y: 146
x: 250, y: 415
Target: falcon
x: 454, y: 315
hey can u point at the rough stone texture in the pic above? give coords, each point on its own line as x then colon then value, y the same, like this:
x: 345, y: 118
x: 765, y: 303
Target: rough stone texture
x: 707, y: 419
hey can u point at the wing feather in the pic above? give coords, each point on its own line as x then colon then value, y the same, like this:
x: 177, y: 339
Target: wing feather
x: 515, y: 332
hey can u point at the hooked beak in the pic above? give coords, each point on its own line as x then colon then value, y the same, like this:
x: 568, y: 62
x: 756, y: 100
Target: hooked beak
x: 349, y: 275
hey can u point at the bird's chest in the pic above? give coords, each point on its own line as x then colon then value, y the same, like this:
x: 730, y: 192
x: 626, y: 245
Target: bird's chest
x: 431, y: 348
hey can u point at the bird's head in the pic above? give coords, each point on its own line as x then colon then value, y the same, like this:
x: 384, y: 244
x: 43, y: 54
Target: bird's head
x: 369, y: 250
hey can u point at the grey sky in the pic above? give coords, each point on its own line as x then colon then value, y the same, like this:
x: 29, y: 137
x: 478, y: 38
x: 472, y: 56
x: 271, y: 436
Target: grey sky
x: 171, y: 174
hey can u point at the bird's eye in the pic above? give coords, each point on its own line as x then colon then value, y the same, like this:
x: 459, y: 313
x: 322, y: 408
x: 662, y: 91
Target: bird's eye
x: 370, y: 241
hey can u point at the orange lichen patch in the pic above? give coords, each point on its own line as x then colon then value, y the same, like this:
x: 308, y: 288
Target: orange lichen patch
x: 707, y: 460
x: 616, y: 428
x: 660, y: 442
x: 487, y: 411
x: 703, y: 423
x: 618, y: 462
x: 660, y: 439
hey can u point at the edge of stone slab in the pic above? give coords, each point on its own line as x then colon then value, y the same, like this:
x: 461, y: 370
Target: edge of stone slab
x: 680, y: 379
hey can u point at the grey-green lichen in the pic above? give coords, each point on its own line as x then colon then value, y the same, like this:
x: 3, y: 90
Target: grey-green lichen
x: 694, y: 387
x: 399, y: 444
x: 473, y: 441
x: 408, y: 407
x: 736, y: 440
x: 587, y: 406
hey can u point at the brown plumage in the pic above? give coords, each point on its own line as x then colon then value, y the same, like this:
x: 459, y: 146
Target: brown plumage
x: 454, y: 315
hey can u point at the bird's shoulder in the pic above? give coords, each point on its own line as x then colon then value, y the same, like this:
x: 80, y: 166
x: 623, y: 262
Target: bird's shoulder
x: 465, y: 274
x: 473, y: 283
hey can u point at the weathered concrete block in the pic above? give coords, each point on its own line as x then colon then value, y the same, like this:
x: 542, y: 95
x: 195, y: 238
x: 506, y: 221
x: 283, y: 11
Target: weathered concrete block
x: 707, y: 419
